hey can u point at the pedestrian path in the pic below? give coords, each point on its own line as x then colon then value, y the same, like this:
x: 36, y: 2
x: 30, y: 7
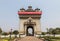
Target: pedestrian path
x: 29, y: 38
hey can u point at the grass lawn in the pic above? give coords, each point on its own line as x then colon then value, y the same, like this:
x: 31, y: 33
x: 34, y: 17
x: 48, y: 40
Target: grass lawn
x: 3, y: 39
x: 55, y: 39
x: 51, y: 38
x: 6, y: 39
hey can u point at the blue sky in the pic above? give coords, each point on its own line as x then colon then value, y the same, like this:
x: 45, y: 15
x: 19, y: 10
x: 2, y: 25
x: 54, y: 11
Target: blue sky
x: 9, y: 18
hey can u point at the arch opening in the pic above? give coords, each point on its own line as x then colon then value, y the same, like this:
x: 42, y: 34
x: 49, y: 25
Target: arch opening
x: 30, y: 31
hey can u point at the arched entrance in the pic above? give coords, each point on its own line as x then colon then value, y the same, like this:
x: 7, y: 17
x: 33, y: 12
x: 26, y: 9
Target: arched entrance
x: 30, y: 31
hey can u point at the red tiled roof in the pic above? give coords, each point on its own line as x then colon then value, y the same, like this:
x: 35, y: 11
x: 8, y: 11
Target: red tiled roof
x: 21, y: 13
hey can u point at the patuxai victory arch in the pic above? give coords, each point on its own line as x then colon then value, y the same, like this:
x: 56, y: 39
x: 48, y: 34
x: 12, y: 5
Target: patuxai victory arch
x: 29, y: 21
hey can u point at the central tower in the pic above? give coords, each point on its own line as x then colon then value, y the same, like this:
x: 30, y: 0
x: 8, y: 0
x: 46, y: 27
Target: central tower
x: 29, y: 24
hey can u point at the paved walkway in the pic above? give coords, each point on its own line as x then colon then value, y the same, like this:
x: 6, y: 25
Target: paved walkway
x: 29, y: 38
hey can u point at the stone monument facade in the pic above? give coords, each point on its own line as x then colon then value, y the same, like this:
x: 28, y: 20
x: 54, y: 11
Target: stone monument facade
x: 29, y: 22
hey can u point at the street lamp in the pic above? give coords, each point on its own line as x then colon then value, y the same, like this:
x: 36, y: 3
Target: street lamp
x: 10, y: 33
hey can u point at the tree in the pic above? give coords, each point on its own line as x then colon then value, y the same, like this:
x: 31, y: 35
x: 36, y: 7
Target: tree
x: 54, y: 32
x: 50, y: 30
x: 15, y: 32
x: 47, y: 30
x: 5, y: 33
x: 0, y: 32
x: 43, y: 33
x: 57, y: 30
